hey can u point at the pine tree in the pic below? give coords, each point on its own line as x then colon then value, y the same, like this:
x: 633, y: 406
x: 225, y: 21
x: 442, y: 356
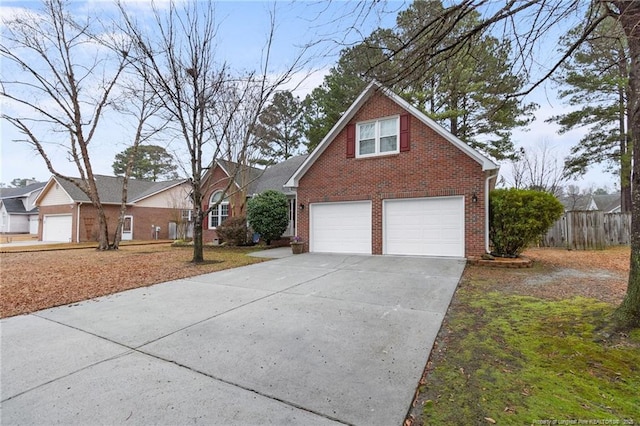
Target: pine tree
x: 598, y: 80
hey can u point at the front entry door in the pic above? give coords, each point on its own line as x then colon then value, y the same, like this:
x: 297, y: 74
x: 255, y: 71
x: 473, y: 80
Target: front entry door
x: 127, y: 228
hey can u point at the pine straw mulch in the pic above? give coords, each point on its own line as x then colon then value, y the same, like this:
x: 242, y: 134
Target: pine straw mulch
x: 39, y: 280
x: 559, y: 274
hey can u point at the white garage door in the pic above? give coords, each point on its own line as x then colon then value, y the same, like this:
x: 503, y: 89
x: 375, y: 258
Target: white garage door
x: 57, y: 228
x: 424, y: 226
x: 340, y: 227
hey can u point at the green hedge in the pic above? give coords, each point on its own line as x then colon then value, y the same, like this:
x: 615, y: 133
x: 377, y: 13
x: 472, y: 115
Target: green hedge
x: 268, y: 214
x: 518, y: 217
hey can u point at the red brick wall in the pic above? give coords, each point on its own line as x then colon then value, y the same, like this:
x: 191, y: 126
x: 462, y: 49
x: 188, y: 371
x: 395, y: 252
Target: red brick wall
x: 217, y: 181
x: 432, y: 167
x: 143, y: 218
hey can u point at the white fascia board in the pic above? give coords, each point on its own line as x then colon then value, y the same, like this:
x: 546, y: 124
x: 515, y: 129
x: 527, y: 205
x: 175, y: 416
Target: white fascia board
x: 45, y: 189
x: 486, y: 163
x: 355, y: 106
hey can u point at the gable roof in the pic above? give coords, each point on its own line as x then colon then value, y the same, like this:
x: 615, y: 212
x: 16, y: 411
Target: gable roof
x: 372, y: 88
x: 110, y: 189
x: 21, y: 192
x: 581, y: 202
x: 607, y: 202
x: 16, y: 206
x: 253, y: 173
x: 276, y: 176
x: 260, y: 180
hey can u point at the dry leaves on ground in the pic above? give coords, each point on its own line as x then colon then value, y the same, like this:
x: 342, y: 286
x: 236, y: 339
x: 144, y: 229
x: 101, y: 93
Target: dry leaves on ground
x: 39, y: 280
x: 559, y: 274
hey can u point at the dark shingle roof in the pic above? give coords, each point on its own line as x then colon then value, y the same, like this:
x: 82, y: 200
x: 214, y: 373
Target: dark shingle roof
x: 607, y: 202
x: 576, y: 203
x: 14, y: 205
x: 110, y: 189
x: 274, y: 177
x: 251, y: 174
x: 21, y: 192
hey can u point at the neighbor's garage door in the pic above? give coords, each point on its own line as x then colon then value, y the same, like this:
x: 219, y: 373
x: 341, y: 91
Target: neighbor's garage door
x: 56, y: 228
x: 340, y: 227
x: 424, y: 226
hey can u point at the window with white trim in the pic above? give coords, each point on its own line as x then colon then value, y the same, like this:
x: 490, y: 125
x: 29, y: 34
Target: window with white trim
x: 219, y: 213
x: 378, y: 137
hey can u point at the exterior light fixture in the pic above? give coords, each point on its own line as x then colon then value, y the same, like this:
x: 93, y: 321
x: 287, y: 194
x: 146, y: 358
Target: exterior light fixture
x: 474, y: 198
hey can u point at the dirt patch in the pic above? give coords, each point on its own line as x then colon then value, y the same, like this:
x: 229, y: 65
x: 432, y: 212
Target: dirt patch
x: 614, y: 259
x: 560, y: 274
x: 39, y: 280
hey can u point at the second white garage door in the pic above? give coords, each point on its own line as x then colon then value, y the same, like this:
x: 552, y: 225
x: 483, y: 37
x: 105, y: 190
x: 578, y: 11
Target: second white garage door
x: 340, y: 227
x: 424, y: 226
x: 56, y: 228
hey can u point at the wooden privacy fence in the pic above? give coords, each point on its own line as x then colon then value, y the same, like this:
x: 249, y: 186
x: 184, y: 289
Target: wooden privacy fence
x: 589, y: 230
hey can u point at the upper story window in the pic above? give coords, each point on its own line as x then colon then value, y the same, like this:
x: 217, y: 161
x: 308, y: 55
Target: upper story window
x: 377, y: 137
x: 220, y: 212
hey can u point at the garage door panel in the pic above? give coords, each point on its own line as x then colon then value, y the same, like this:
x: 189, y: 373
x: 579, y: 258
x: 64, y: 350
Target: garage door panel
x: 424, y: 226
x: 340, y: 227
x: 57, y: 228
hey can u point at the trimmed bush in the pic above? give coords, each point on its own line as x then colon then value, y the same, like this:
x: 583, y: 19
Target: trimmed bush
x: 234, y: 231
x: 268, y: 214
x: 518, y: 217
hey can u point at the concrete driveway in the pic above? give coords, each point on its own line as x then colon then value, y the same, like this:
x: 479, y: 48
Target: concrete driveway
x: 310, y: 339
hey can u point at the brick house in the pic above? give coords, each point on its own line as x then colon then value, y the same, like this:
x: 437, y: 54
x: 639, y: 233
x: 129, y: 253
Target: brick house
x: 18, y: 211
x: 155, y: 210
x: 389, y: 180
x: 247, y: 182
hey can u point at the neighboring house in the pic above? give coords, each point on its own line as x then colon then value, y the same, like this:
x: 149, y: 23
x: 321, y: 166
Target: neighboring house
x: 18, y: 212
x: 607, y: 203
x: 248, y: 182
x: 155, y: 210
x: 389, y: 180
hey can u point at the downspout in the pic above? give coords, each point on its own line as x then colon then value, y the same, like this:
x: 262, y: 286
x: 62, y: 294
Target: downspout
x: 78, y: 223
x: 295, y: 213
x: 487, y: 249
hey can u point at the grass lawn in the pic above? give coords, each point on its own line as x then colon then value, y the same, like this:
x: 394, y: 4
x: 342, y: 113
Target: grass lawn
x: 43, y: 279
x: 523, y: 347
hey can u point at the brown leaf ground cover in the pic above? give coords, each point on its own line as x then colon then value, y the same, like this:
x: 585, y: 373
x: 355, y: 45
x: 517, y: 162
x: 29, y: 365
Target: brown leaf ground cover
x: 559, y: 274
x: 38, y: 280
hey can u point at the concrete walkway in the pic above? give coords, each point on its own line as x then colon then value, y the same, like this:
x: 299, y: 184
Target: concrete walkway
x: 309, y: 339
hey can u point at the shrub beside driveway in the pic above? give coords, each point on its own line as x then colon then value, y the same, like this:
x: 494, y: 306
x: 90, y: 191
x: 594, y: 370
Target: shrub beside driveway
x: 528, y: 346
x: 39, y: 280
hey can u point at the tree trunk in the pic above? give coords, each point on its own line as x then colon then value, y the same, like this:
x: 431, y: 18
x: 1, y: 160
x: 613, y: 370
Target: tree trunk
x: 628, y: 313
x: 625, y: 139
x: 103, y: 233
x: 198, y: 216
x: 123, y: 210
x: 103, y: 236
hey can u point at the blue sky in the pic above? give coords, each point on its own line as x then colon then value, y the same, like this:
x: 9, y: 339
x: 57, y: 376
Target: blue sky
x: 243, y: 28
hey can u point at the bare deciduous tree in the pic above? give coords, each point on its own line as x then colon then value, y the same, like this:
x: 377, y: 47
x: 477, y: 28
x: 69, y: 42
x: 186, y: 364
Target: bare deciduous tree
x: 67, y: 75
x: 138, y: 101
x: 210, y: 111
x: 538, y: 168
